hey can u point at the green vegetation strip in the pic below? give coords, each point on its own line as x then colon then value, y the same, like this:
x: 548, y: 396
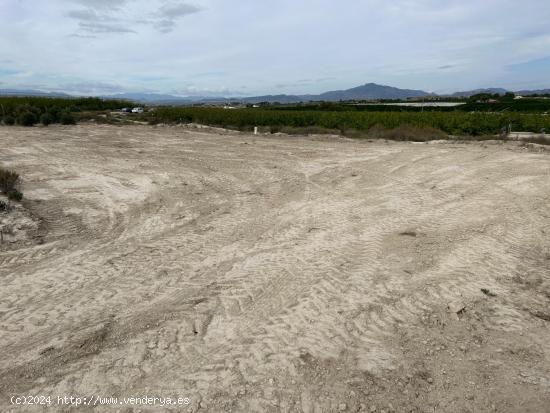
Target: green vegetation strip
x: 27, y: 111
x: 454, y: 123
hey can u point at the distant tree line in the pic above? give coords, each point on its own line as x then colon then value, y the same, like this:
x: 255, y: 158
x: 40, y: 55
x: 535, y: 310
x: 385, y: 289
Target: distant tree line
x: 483, y: 102
x: 357, y: 107
x: 28, y: 111
x: 453, y: 122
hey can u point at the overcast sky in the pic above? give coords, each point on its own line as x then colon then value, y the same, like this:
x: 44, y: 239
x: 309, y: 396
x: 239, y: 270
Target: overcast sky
x: 250, y: 47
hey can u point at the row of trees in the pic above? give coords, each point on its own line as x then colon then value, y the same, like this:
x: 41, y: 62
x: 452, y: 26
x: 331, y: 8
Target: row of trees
x: 28, y: 111
x: 30, y: 116
x: 454, y: 123
x: 480, y: 103
x: 9, y: 104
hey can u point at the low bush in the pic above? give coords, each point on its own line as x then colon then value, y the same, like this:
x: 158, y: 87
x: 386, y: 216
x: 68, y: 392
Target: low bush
x: 14, y: 195
x: 4, y: 206
x: 27, y: 119
x: 8, y: 185
x: 8, y: 180
x: 46, y: 119
x: 67, y: 119
x: 9, y: 120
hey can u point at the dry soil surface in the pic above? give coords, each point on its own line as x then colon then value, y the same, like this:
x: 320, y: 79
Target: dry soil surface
x: 275, y: 274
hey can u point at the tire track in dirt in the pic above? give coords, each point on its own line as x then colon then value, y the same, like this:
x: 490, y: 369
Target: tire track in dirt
x: 236, y: 260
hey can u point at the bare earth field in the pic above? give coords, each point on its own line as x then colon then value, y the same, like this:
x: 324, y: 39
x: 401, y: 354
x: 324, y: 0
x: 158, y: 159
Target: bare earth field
x: 274, y: 273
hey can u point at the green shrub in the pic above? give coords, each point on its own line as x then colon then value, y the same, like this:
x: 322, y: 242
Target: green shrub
x: 8, y: 184
x: 55, y: 113
x: 9, y: 120
x: 4, y: 206
x: 8, y: 179
x: 46, y: 119
x: 27, y: 119
x: 14, y: 195
x: 67, y: 119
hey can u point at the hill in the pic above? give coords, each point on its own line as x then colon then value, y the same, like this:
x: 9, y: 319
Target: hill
x: 468, y: 93
x: 368, y: 91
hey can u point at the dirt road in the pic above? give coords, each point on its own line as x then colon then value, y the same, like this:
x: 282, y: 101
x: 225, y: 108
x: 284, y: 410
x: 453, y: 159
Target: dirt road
x: 276, y: 274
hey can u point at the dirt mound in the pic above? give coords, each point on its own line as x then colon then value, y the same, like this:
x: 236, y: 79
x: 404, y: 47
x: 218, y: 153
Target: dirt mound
x: 17, y: 225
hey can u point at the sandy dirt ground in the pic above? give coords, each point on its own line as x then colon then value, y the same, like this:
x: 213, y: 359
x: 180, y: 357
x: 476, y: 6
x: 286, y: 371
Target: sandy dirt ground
x: 275, y: 274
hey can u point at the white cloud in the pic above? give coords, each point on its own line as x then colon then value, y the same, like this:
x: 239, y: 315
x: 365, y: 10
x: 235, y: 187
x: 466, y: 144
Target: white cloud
x: 101, y: 4
x: 174, y: 10
x: 96, y: 27
x: 101, y: 16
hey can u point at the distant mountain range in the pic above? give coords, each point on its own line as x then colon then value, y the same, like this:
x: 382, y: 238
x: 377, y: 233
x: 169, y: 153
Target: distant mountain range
x: 364, y: 92
x: 368, y: 91
x: 533, y: 92
x: 30, y: 92
x: 154, y: 98
x: 501, y: 91
x: 468, y: 93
